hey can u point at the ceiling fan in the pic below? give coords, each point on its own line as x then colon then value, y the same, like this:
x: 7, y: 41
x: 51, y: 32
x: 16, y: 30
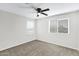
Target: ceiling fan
x: 38, y: 10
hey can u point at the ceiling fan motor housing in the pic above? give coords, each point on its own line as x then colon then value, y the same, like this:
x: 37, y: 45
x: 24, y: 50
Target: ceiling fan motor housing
x: 38, y: 10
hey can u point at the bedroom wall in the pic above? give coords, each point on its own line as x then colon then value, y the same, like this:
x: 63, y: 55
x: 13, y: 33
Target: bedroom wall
x: 67, y: 40
x: 13, y: 30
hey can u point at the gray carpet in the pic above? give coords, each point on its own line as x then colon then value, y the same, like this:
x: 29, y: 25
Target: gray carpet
x: 39, y: 48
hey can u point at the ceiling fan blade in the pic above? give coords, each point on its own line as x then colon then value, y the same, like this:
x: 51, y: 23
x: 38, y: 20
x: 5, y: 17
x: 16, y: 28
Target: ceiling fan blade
x: 45, y: 10
x: 44, y: 14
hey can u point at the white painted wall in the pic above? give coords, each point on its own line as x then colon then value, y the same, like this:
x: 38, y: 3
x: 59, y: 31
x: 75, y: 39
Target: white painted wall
x: 68, y: 40
x: 13, y: 30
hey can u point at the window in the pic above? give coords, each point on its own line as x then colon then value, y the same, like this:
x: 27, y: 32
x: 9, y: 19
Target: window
x: 59, y: 26
x: 53, y: 26
x: 30, y: 25
x: 63, y: 26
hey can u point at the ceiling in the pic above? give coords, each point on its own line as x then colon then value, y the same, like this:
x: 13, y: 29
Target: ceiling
x: 24, y: 9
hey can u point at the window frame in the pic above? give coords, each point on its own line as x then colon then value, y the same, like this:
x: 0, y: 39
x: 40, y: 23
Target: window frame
x: 58, y: 25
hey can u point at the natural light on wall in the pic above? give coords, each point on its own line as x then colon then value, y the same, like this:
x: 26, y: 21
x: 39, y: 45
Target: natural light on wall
x: 30, y: 26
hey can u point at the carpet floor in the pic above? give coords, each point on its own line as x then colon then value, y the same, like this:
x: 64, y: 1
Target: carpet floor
x: 39, y: 48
